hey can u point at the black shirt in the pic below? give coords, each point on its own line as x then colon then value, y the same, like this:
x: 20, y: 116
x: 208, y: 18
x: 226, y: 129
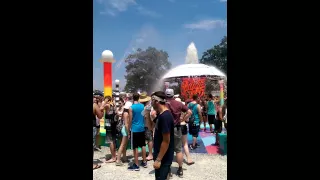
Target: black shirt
x: 164, y: 124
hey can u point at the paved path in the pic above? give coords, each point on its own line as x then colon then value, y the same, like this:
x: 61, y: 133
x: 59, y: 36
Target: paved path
x: 208, y: 164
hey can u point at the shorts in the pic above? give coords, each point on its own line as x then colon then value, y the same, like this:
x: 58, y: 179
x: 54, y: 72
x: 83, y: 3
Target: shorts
x: 163, y: 172
x: 184, y: 130
x: 211, y: 119
x: 148, y: 134
x: 111, y: 135
x: 194, y: 130
x: 217, y: 126
x: 124, y: 132
x: 177, y: 139
x: 94, y: 136
x: 138, y: 139
x: 204, y: 114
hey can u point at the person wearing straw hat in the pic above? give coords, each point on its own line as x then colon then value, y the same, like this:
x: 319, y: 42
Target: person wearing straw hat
x: 148, y: 124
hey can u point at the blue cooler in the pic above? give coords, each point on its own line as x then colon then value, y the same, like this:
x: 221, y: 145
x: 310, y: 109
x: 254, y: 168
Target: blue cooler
x: 223, y: 143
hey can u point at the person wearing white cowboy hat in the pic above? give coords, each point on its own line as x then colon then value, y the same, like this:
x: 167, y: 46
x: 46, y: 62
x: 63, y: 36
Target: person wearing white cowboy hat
x: 148, y: 123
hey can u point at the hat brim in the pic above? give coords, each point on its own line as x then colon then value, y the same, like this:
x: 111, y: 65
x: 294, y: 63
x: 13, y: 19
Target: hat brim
x: 148, y: 98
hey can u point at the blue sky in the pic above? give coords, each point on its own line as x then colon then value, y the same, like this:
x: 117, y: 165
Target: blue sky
x: 125, y: 25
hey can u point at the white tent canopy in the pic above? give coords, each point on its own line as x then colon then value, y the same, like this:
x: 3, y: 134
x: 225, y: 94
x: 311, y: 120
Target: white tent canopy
x: 187, y: 70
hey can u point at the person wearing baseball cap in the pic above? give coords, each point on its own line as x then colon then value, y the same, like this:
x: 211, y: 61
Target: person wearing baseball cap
x: 176, y: 108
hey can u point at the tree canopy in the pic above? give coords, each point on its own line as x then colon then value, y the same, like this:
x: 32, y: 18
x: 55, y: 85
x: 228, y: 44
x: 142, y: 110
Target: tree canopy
x: 217, y: 56
x: 145, y: 68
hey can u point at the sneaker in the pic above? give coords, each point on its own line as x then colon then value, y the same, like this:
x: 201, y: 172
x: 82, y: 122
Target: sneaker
x: 144, y: 164
x: 97, y: 149
x: 192, y: 147
x: 180, y: 172
x: 134, y: 167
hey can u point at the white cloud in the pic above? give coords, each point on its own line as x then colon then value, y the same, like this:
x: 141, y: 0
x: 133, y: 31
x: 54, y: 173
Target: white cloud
x: 109, y: 12
x: 113, y: 7
x: 147, y: 36
x: 207, y: 24
x: 121, y: 5
x: 147, y: 12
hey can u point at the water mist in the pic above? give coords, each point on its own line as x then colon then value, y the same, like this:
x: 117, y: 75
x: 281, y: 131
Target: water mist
x: 192, y: 54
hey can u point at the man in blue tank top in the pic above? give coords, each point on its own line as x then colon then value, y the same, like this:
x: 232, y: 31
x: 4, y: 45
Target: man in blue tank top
x: 211, y: 112
x: 194, y: 128
x: 136, y: 124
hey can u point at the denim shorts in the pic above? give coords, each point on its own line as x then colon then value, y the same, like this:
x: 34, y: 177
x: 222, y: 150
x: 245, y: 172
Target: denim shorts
x: 123, y: 131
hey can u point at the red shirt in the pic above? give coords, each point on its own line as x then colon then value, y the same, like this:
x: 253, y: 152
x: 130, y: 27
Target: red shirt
x: 176, y: 108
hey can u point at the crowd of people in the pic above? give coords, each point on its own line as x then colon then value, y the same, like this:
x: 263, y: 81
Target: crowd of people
x: 160, y: 121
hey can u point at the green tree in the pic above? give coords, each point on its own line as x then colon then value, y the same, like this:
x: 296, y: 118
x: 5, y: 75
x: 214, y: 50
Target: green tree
x: 217, y: 56
x: 145, y: 68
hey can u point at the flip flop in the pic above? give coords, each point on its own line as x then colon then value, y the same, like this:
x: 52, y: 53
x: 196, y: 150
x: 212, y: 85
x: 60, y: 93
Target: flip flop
x: 149, y: 159
x: 119, y: 164
x: 97, y: 166
x: 189, y: 164
x: 110, y: 161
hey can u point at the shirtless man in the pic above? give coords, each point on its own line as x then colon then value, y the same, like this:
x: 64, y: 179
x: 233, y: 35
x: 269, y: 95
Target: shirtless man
x: 96, y: 113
